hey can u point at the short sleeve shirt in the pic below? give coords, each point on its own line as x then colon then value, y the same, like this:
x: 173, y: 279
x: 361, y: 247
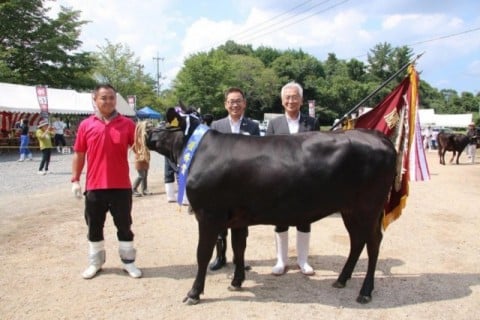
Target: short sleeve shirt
x: 106, y: 146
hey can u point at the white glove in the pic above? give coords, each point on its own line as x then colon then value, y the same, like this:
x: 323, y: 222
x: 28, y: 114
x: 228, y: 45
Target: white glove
x: 77, y: 189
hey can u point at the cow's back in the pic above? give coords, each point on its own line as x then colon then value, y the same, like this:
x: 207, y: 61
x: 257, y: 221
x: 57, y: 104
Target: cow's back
x: 279, y: 176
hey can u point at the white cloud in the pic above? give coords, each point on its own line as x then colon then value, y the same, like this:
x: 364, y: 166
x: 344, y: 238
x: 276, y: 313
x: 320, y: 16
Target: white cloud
x: 175, y: 30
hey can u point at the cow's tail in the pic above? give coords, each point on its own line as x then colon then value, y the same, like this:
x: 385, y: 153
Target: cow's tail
x: 139, y: 145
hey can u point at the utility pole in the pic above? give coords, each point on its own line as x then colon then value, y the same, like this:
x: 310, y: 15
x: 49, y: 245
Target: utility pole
x: 159, y: 75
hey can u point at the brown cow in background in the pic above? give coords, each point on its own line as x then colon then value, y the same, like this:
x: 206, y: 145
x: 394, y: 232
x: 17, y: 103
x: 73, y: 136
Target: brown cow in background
x: 455, y: 142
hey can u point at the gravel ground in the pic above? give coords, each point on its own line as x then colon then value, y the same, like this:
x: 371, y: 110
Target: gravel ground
x: 22, y: 178
x: 427, y: 269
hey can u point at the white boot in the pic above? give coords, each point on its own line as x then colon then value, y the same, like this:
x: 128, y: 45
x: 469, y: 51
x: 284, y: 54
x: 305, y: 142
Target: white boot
x: 303, y: 243
x: 281, y: 239
x: 22, y: 157
x: 185, y: 201
x: 170, y: 192
x: 127, y: 254
x: 29, y: 156
x: 96, y: 259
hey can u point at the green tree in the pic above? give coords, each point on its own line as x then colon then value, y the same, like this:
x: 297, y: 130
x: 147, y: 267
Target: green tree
x: 469, y: 102
x: 334, y: 67
x: 261, y: 85
x: 356, y: 70
x: 36, y: 49
x: 230, y: 47
x: 267, y: 55
x: 380, y: 61
x: 202, y: 80
x: 300, y: 67
x: 117, y: 65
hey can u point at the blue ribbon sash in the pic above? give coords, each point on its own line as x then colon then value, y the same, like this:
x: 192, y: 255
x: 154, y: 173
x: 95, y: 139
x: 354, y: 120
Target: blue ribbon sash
x: 187, y: 157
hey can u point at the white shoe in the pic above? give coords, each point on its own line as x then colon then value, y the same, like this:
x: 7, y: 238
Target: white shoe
x: 170, y: 192
x: 279, y: 269
x: 303, y: 243
x: 41, y: 173
x: 20, y: 160
x: 306, y: 269
x: 132, y: 270
x: 90, y: 272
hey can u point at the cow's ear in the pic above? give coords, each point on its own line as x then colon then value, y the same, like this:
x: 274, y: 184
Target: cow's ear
x: 172, y: 117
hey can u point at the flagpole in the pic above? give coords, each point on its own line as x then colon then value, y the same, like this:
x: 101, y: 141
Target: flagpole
x: 358, y: 105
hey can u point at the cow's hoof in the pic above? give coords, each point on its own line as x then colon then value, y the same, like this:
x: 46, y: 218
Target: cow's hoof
x: 190, y: 301
x: 233, y: 288
x: 364, y: 299
x: 338, y: 284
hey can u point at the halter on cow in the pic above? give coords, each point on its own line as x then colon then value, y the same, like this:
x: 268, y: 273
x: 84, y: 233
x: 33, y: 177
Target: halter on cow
x: 237, y: 180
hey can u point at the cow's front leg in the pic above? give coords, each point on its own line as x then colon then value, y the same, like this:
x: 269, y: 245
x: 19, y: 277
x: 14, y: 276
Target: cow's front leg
x: 206, y: 241
x: 239, y: 244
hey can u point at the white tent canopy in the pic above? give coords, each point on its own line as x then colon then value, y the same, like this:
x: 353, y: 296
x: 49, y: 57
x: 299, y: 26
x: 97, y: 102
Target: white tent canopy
x: 429, y: 118
x: 21, y: 98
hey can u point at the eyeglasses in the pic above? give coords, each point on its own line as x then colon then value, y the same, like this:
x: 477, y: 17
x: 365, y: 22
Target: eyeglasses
x: 293, y: 98
x: 232, y: 102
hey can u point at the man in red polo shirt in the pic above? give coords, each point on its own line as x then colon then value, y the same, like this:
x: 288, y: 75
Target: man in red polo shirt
x: 103, y: 140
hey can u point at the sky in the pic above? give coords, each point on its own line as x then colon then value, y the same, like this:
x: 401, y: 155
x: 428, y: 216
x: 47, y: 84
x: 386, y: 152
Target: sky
x: 447, y: 32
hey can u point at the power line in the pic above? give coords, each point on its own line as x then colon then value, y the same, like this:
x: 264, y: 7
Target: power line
x: 433, y: 39
x: 271, y: 19
x: 272, y: 22
x: 302, y: 18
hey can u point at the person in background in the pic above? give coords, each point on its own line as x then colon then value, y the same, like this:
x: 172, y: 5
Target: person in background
x: 103, y: 141
x: 25, y: 152
x: 289, y: 123
x: 142, y: 159
x: 169, y: 180
x: 235, y: 122
x: 59, y: 137
x: 44, y: 135
x: 427, y: 136
x: 472, y: 143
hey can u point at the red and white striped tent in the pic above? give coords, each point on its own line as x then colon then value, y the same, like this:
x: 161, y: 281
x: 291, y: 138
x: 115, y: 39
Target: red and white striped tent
x: 17, y: 101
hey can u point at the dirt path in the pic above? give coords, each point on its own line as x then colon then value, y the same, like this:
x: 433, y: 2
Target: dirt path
x: 428, y: 266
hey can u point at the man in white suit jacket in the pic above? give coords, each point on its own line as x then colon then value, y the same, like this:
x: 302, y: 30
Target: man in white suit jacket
x: 290, y: 123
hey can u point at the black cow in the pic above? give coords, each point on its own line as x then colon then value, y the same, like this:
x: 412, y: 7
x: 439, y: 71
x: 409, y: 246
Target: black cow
x: 236, y: 181
x: 455, y: 142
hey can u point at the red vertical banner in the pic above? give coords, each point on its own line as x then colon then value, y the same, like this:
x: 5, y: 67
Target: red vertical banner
x: 396, y: 116
x: 42, y: 97
x: 132, y: 101
x: 311, y: 108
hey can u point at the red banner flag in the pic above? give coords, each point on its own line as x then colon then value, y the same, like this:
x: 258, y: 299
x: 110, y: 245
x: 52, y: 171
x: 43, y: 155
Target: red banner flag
x: 42, y: 100
x: 396, y: 116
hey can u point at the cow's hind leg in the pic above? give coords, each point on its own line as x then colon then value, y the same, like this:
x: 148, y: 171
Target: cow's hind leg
x: 357, y: 242
x: 208, y: 234
x: 239, y: 244
x: 373, y: 247
x: 458, y: 157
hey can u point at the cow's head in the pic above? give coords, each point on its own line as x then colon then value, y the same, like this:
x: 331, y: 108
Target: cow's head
x: 170, y: 137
